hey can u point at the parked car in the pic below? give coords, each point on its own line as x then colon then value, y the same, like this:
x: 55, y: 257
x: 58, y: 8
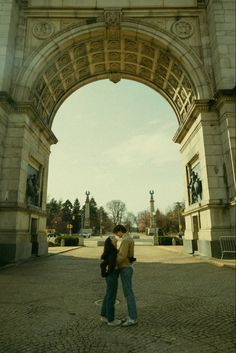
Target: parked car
x: 86, y: 234
x: 51, y: 235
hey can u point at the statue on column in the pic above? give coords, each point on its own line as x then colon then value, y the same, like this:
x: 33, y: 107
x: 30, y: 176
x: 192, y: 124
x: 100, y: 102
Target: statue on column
x: 152, y: 229
x: 86, y: 229
x: 87, y: 211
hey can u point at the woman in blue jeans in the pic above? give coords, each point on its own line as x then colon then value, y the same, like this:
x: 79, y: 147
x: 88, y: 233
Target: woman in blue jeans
x: 111, y: 274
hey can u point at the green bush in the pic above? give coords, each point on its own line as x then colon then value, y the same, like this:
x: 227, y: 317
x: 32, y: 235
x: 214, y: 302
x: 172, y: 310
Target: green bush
x: 50, y: 243
x: 169, y: 240
x: 70, y: 240
x: 165, y: 240
x: 179, y: 241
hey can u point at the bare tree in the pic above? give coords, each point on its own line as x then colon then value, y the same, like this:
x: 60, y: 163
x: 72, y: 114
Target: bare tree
x: 143, y: 220
x: 116, y: 209
x: 130, y: 221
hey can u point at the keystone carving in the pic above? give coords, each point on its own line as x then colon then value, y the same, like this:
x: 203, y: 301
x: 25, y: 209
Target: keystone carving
x: 114, y: 77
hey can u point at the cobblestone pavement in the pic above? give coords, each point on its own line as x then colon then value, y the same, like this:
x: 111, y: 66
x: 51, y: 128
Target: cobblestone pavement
x: 52, y: 305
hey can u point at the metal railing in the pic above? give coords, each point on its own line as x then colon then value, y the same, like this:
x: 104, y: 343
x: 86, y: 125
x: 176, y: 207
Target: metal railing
x: 227, y: 245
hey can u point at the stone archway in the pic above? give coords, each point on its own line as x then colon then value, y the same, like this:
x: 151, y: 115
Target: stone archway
x: 63, y: 53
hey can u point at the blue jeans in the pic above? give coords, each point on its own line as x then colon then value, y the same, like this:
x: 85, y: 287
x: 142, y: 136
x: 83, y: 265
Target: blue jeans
x: 126, y: 279
x: 108, y: 305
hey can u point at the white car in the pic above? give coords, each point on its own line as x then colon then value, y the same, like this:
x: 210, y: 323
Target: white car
x: 86, y: 235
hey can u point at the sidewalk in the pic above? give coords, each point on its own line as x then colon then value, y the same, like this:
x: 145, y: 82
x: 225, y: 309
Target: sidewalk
x: 217, y: 262
x: 54, y: 250
x: 145, y: 254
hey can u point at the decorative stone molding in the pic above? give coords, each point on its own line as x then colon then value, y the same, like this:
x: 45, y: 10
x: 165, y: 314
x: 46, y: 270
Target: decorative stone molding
x: 202, y: 3
x: 23, y: 3
x: 182, y: 29
x: 223, y: 96
x: 198, y: 106
x: 112, y: 17
x: 159, y: 22
x: 43, y: 30
x: 67, y: 23
x: 11, y: 106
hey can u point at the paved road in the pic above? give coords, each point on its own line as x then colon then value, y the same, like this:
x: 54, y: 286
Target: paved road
x: 51, y: 305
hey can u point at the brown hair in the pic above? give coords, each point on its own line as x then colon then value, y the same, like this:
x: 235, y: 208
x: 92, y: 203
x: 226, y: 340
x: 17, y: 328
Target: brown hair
x: 119, y: 228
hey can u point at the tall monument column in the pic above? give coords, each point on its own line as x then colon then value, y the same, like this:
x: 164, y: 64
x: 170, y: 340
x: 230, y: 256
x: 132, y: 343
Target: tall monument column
x: 152, y: 229
x: 87, y: 211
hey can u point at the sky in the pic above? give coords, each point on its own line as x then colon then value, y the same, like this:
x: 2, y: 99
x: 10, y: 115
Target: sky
x: 115, y: 140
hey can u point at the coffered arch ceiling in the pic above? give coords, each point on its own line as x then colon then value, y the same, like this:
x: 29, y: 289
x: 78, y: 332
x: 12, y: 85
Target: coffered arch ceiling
x: 80, y: 57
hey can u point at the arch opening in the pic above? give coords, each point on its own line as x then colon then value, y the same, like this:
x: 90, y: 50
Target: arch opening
x: 118, y: 138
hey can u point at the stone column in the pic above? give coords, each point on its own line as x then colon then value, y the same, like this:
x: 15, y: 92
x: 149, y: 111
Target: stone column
x: 87, y: 211
x: 8, y: 28
x: 152, y: 228
x: 209, y: 216
x: 25, y: 147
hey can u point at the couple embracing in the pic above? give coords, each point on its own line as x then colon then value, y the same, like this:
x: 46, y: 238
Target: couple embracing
x: 118, y: 263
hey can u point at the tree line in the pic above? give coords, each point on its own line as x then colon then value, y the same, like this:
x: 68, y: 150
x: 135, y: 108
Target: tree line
x: 102, y: 220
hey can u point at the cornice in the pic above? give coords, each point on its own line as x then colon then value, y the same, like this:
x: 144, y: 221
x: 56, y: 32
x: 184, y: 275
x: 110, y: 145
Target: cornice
x: 98, y: 14
x: 11, y: 106
x: 225, y: 95
x: 205, y: 206
x: 21, y: 207
x: 199, y: 106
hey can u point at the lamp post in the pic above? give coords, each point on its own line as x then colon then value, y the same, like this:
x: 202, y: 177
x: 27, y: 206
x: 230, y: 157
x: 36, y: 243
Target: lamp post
x: 71, y: 226
x: 154, y: 222
x: 100, y: 221
x: 81, y: 219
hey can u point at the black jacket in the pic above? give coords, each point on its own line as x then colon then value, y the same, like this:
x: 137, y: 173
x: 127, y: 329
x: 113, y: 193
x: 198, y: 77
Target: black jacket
x: 109, y: 258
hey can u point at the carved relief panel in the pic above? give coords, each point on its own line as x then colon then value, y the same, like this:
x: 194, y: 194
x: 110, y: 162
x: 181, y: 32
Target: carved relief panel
x: 34, y: 186
x: 194, y: 182
x: 39, y: 30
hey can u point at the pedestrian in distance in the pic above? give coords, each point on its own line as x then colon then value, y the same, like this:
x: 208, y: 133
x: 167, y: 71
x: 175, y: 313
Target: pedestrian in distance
x: 125, y: 259
x: 110, y: 272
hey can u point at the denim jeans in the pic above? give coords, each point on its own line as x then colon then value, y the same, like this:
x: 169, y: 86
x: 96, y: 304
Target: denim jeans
x: 126, y: 279
x: 108, y: 305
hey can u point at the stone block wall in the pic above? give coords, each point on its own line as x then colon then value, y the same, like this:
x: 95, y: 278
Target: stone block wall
x: 221, y: 24
x: 24, y: 144
x: 228, y: 137
x: 3, y: 131
x: 9, y: 13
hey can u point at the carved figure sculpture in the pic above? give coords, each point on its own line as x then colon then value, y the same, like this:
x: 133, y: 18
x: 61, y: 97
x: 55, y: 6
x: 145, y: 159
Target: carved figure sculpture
x: 195, y: 187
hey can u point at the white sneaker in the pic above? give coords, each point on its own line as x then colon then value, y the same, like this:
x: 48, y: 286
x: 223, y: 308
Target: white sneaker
x: 129, y: 322
x: 103, y: 319
x: 114, y: 323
